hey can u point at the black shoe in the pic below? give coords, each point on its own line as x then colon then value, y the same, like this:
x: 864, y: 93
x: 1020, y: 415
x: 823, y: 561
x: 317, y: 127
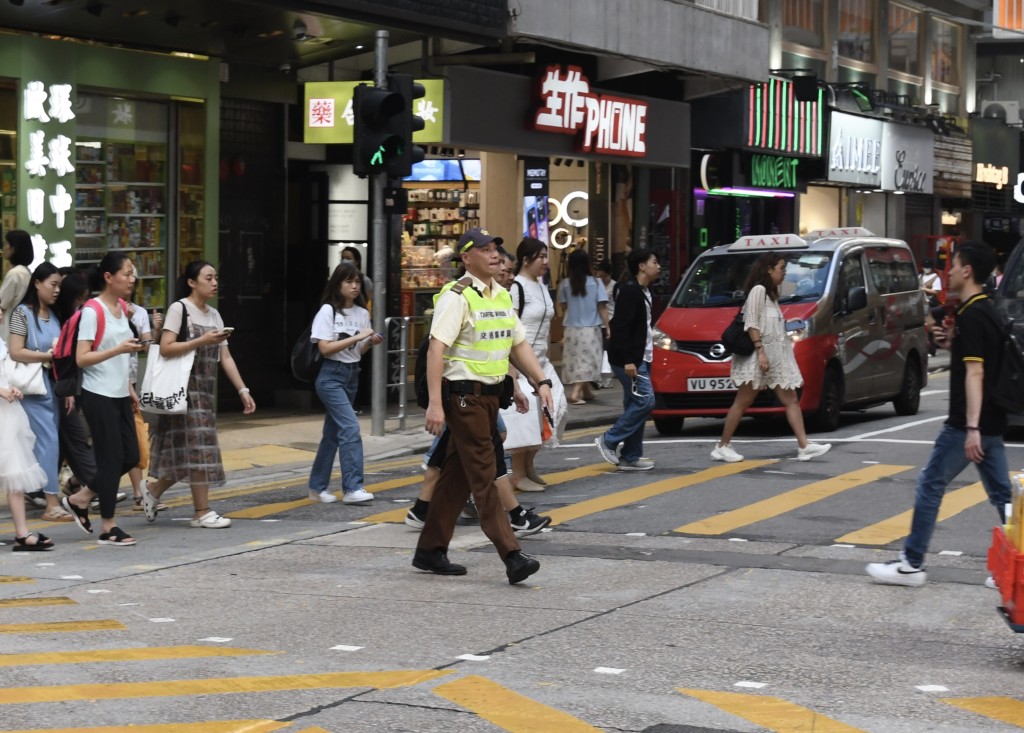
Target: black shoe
x: 519, y: 567
x: 436, y: 561
x: 36, y: 499
x: 529, y: 523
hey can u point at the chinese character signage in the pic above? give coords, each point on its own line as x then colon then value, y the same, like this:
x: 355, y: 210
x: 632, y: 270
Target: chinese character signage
x: 329, y: 118
x: 47, y: 111
x: 777, y: 121
x: 602, y: 123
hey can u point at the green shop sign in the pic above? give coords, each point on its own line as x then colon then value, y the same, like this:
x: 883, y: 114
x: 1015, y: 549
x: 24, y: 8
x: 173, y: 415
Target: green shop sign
x: 328, y: 114
x: 773, y: 171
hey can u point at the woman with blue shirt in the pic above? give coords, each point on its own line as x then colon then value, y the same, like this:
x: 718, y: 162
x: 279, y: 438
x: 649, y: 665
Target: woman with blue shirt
x: 107, y: 399
x: 585, y: 320
x: 342, y: 332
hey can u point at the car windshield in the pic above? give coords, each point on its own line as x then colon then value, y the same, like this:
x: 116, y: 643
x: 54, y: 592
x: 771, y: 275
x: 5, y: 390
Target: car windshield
x: 719, y: 280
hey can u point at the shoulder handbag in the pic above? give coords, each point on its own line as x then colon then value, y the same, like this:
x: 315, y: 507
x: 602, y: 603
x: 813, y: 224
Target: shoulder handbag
x: 165, y: 385
x: 27, y: 378
x: 736, y: 339
x: 306, y: 358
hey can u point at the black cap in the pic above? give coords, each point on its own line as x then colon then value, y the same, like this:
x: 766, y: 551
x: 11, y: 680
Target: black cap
x: 927, y: 262
x: 476, y: 238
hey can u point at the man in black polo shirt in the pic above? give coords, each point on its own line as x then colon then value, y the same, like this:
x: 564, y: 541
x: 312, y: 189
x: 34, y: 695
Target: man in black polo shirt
x: 974, y: 431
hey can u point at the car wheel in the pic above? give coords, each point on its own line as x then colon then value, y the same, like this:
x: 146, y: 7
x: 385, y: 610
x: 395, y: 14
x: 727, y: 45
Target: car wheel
x: 908, y: 400
x: 826, y: 418
x: 668, y: 425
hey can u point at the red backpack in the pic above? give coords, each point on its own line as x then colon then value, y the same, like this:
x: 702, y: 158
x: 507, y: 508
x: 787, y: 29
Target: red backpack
x: 67, y: 377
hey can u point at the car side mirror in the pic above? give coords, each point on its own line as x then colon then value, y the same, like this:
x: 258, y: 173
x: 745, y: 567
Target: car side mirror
x: 857, y: 299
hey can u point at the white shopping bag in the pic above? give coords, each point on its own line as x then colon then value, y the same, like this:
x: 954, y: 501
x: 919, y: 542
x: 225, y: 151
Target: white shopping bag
x: 165, y: 385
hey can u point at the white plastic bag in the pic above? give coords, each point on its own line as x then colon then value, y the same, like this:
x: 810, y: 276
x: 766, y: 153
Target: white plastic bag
x: 165, y: 385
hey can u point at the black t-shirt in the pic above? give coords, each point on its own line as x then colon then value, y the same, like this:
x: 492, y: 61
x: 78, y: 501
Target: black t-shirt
x: 975, y: 338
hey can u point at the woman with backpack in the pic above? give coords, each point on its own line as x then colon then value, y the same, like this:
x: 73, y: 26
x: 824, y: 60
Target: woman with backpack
x: 34, y: 329
x: 102, y: 354
x: 184, y: 447
x: 341, y: 330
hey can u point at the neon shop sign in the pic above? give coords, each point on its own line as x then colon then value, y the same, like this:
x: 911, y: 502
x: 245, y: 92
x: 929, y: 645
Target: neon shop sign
x: 50, y: 106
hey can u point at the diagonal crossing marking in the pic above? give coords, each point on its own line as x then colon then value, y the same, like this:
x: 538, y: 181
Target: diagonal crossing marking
x: 893, y: 528
x: 789, y: 500
x: 139, y: 654
x: 215, y: 726
x: 553, y: 479
x: 1005, y: 709
x: 217, y: 686
x: 646, y: 491
x: 509, y: 710
x: 27, y: 602
x: 62, y: 626
x: 772, y: 713
x: 15, y: 579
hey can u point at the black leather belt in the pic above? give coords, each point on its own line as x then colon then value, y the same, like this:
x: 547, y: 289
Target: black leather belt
x: 468, y: 386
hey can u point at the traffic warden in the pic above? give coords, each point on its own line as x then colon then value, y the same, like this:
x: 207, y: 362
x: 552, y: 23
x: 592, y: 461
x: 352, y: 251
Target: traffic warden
x: 474, y: 335
x: 973, y: 433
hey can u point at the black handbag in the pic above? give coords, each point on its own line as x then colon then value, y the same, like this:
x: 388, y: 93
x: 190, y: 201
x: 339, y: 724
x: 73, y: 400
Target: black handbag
x: 736, y: 339
x: 306, y: 358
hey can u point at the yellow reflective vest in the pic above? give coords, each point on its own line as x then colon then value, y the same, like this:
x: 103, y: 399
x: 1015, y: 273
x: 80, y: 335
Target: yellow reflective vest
x: 493, y: 320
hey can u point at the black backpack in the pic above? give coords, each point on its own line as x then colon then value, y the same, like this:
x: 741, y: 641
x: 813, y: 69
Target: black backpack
x: 1008, y: 386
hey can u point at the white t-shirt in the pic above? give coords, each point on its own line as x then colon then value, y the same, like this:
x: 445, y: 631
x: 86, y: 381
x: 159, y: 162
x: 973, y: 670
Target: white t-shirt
x: 109, y: 377
x: 210, y: 318
x: 140, y: 319
x: 329, y: 324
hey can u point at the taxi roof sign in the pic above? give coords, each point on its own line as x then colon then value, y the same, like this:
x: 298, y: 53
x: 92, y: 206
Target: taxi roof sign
x: 768, y: 241
x: 840, y: 232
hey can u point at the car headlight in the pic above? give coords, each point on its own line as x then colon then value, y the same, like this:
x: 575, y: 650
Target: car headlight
x: 662, y: 340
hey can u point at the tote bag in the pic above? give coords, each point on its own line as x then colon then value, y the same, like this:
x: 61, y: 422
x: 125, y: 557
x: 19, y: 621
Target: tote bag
x: 165, y: 385
x: 27, y: 378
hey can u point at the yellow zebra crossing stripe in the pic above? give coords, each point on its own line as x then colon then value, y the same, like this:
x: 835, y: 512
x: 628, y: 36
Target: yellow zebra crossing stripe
x: 509, y: 710
x: 789, y: 500
x: 772, y: 713
x: 217, y: 686
x: 1005, y: 709
x: 217, y: 726
x: 139, y: 654
x: 15, y: 579
x: 646, y: 491
x: 892, y: 529
x: 62, y: 626
x: 29, y: 602
x: 264, y: 510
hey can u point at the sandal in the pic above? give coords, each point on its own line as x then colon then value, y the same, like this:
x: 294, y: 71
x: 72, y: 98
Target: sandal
x: 116, y: 536
x: 160, y: 506
x: 81, y: 516
x: 42, y: 543
x: 56, y: 515
x: 149, y: 502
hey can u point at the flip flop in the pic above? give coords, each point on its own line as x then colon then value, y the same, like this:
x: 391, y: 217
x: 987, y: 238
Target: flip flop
x: 41, y: 544
x: 81, y: 516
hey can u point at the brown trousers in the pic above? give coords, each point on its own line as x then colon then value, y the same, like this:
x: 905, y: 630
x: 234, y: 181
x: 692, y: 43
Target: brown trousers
x: 468, y: 468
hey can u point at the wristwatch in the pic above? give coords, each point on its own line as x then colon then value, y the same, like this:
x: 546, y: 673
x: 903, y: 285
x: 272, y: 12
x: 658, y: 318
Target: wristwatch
x: 542, y: 382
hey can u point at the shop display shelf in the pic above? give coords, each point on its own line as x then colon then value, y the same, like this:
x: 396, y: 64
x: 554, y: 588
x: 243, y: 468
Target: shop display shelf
x: 136, y: 216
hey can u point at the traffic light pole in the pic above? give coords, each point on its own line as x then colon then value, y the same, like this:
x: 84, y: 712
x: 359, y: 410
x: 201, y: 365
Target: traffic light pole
x: 378, y: 245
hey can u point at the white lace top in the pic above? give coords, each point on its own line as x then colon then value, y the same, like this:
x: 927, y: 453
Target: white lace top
x: 764, y: 314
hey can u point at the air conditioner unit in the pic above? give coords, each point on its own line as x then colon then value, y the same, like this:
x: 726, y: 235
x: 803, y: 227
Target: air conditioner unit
x: 1006, y: 110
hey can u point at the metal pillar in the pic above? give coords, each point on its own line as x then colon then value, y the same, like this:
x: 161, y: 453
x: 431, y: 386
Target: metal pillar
x: 378, y: 245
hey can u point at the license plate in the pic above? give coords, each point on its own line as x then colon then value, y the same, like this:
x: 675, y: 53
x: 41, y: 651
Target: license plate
x: 710, y: 384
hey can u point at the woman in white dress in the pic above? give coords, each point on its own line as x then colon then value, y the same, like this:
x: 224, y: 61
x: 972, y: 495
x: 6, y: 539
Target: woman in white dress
x: 533, y: 304
x: 771, y: 366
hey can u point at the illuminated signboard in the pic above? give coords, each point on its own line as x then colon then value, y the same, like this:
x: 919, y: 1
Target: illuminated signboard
x: 602, y: 123
x: 46, y: 111
x: 329, y: 119
x: 777, y: 121
x: 773, y: 171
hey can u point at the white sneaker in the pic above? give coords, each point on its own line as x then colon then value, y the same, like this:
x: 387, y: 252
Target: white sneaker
x: 812, y: 450
x: 324, y: 497
x: 897, y: 572
x: 526, y: 484
x: 606, y: 453
x: 210, y: 520
x: 990, y: 582
x: 359, y: 496
x: 726, y: 453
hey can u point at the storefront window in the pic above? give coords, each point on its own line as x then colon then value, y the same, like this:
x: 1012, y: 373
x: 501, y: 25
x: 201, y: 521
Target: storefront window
x: 904, y: 24
x: 8, y: 158
x: 191, y: 192
x: 803, y: 22
x: 945, y: 52
x: 121, y: 187
x: 856, y: 40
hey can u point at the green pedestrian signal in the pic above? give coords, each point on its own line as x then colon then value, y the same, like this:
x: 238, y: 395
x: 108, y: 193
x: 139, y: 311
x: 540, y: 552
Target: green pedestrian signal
x: 375, y: 145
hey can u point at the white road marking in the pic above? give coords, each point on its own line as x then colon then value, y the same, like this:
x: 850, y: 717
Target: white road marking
x: 842, y: 545
x: 954, y: 553
x: 474, y: 657
x: 752, y: 685
x: 218, y: 639
x: 71, y: 577
x: 162, y: 620
x: 904, y: 426
x: 608, y: 670
x: 98, y: 590
x: 932, y: 688
x: 346, y: 648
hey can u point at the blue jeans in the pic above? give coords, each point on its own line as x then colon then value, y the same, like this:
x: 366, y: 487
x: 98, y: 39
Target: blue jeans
x: 946, y: 463
x: 336, y: 386
x: 629, y: 428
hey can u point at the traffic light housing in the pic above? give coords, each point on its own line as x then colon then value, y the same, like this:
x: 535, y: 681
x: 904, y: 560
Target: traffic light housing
x: 378, y: 117
x: 406, y: 124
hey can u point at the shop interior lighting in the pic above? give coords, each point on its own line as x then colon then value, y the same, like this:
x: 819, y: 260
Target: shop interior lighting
x: 759, y: 193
